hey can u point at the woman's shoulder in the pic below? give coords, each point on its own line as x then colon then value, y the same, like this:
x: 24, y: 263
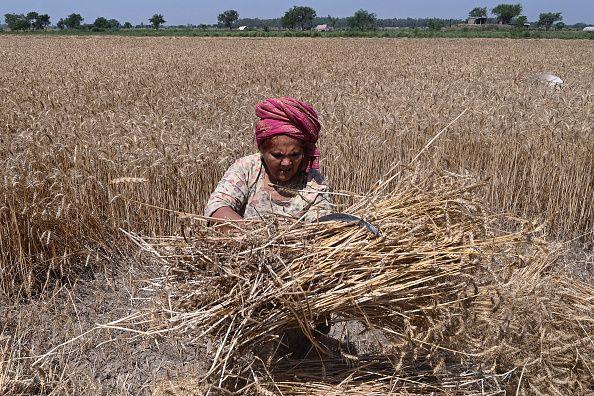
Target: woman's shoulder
x: 248, y: 166
x: 249, y: 161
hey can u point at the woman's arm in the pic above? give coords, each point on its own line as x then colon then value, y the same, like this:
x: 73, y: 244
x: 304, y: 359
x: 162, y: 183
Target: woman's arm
x: 225, y: 213
x: 229, y: 198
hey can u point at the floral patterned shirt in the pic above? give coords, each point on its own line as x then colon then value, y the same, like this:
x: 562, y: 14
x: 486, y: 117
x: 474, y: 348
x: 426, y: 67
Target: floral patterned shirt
x: 244, y: 189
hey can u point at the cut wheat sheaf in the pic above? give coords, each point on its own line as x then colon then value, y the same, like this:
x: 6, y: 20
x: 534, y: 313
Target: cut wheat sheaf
x: 455, y: 306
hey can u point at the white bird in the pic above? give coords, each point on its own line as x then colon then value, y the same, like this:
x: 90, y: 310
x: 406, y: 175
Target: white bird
x: 550, y: 79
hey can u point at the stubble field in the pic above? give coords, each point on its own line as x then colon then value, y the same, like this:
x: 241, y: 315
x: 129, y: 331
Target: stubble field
x: 103, y: 133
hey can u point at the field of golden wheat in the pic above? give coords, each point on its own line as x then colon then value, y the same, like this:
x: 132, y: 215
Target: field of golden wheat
x: 103, y: 134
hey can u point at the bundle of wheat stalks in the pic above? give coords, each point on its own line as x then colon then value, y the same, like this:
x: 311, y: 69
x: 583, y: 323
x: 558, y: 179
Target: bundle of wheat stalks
x: 455, y: 305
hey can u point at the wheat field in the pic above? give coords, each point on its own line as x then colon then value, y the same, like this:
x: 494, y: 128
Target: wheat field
x: 77, y: 113
x: 99, y: 134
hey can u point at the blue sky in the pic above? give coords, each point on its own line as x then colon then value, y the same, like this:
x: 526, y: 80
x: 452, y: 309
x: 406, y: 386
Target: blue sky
x: 178, y: 12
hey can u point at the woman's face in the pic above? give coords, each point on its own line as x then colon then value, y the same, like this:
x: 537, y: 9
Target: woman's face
x: 283, y: 156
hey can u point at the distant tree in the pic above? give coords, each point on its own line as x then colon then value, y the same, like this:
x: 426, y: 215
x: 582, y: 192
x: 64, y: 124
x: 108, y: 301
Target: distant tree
x: 547, y: 19
x: 436, y: 24
x: 332, y: 21
x: 301, y: 17
x: 101, y: 23
x: 506, y: 12
x: 362, y: 20
x: 478, y: 12
x: 17, y: 21
x: 31, y: 17
x: 38, y: 21
x: 157, y: 20
x: 228, y: 17
x: 114, y: 24
x: 560, y: 26
x: 73, y: 21
x: 61, y: 25
x: 127, y: 25
x: 42, y: 21
x: 520, y: 21
x: 203, y: 26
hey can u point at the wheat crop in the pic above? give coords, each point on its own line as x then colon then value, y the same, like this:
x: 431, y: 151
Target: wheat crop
x: 78, y: 113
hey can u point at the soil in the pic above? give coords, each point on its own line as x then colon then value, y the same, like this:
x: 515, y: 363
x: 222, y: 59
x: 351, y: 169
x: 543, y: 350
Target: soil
x: 104, y: 361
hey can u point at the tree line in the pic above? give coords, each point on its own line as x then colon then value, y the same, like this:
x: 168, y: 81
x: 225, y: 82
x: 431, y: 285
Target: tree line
x: 297, y: 18
x: 35, y: 21
x: 31, y: 20
x: 511, y: 14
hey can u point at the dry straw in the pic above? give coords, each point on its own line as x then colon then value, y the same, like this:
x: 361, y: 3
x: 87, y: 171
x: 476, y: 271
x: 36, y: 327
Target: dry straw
x: 449, y: 296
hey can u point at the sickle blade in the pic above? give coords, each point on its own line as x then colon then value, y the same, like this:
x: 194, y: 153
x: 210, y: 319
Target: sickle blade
x: 349, y: 218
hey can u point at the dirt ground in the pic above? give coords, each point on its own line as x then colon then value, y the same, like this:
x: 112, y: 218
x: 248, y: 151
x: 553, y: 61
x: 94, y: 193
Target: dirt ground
x: 104, y: 361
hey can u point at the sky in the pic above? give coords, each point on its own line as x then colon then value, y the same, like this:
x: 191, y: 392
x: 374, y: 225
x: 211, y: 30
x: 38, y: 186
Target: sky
x: 181, y: 12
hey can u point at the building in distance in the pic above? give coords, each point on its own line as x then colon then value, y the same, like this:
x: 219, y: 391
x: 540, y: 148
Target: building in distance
x: 323, y: 28
x: 477, y: 21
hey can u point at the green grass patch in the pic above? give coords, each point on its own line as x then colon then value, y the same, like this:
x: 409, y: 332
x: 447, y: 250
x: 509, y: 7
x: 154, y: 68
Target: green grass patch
x: 396, y: 33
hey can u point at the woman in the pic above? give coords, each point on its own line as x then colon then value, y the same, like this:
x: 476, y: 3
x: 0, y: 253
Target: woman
x: 283, y: 178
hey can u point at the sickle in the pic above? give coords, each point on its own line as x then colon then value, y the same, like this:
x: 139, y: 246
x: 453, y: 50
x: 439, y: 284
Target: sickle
x: 348, y: 218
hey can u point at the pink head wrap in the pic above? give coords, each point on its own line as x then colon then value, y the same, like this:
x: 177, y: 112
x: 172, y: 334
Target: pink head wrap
x: 291, y: 117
